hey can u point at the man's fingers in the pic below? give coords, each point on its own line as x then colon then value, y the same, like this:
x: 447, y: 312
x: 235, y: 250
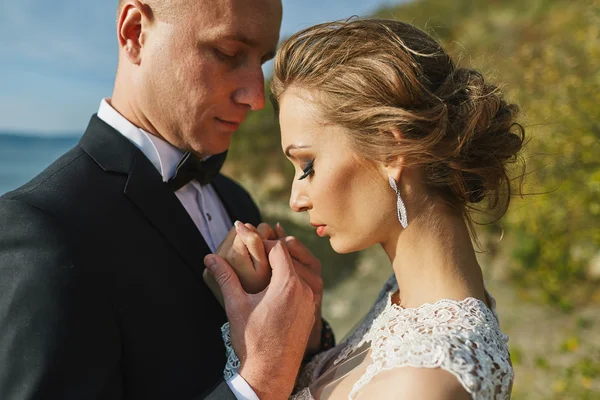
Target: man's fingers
x: 281, y: 263
x: 314, y: 281
x: 212, y: 284
x: 297, y: 251
x: 226, y: 279
x: 301, y: 253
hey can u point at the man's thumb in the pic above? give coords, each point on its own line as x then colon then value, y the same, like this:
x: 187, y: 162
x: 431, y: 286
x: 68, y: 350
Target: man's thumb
x: 226, y: 278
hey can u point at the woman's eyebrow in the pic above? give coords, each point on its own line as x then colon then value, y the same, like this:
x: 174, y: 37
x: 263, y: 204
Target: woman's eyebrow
x: 294, y: 147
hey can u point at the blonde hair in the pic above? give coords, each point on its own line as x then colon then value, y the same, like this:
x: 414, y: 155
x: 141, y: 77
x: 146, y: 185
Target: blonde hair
x: 374, y: 76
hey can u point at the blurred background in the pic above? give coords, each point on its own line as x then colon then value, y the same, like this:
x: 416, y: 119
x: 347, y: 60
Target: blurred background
x: 542, y: 261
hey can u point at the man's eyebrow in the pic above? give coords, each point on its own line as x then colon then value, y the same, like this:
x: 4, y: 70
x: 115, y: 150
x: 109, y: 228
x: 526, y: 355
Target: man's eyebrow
x: 241, y: 37
x: 294, y: 147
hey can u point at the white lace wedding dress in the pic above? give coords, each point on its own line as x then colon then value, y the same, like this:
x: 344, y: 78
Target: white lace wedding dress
x: 461, y: 337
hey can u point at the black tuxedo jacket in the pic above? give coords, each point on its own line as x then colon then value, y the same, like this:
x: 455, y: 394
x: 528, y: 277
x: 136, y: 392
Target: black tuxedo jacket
x: 101, y: 290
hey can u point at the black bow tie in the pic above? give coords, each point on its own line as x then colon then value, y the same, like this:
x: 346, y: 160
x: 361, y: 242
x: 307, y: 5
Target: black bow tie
x: 192, y: 167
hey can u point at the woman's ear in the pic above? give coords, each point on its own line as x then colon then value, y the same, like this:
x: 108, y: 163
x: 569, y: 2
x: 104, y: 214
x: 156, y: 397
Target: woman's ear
x: 397, y: 134
x: 394, y: 166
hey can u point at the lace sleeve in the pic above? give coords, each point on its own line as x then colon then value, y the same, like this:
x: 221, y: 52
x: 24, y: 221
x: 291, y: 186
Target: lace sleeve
x: 461, y: 337
x: 233, y: 363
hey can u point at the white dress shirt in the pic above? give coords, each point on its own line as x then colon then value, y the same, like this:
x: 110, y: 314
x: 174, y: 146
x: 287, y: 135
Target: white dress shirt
x: 200, y: 201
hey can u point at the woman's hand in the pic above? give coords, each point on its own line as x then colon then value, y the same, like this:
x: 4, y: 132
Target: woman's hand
x: 243, y: 249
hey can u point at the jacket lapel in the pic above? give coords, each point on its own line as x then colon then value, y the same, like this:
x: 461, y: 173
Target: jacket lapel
x: 164, y: 210
x: 145, y: 188
x: 236, y: 201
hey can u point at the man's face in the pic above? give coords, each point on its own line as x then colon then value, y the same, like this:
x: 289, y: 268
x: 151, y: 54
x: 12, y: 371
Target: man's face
x: 200, y: 72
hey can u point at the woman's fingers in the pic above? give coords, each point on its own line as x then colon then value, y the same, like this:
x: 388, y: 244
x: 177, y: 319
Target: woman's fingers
x: 250, y: 243
x: 263, y: 229
x: 227, y: 242
x: 239, y: 258
x: 254, y: 245
x: 279, y: 232
x: 249, y: 226
x: 266, y: 232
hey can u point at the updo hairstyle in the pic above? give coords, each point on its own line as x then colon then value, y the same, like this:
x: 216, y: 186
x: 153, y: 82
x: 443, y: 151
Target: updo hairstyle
x: 373, y: 76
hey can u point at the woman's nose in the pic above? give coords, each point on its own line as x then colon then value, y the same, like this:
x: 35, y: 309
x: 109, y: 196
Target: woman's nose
x: 299, y: 200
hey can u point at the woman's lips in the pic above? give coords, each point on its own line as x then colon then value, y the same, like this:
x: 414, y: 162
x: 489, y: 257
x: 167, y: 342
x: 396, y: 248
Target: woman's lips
x: 321, y: 230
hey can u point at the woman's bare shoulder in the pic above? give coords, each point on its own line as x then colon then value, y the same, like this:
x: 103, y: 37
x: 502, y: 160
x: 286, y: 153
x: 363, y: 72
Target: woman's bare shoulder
x: 414, y: 383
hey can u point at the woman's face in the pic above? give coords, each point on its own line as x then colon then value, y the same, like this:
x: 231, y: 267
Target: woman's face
x: 347, y: 198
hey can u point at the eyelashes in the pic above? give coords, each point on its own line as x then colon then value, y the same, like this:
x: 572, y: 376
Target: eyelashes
x: 308, y: 170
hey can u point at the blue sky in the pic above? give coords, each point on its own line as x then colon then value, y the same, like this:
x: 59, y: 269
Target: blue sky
x: 58, y: 58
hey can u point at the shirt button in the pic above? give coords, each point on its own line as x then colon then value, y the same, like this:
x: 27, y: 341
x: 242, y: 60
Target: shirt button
x: 209, y: 216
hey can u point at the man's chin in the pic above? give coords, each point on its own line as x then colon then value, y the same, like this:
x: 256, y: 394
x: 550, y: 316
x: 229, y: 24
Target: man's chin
x: 208, y: 148
x: 221, y: 146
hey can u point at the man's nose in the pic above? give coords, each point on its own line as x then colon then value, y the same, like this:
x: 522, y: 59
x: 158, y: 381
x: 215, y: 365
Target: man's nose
x: 252, y: 90
x: 299, y: 201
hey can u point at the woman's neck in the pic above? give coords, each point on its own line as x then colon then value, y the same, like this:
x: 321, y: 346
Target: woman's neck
x: 435, y: 260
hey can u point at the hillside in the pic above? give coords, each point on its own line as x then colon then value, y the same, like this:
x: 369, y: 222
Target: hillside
x: 545, y: 270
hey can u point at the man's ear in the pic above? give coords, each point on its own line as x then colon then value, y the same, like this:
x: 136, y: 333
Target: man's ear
x: 394, y: 167
x: 131, y: 22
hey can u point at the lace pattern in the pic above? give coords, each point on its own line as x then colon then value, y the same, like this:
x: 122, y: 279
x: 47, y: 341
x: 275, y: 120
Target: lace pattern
x: 303, y: 394
x: 461, y: 337
x: 233, y: 363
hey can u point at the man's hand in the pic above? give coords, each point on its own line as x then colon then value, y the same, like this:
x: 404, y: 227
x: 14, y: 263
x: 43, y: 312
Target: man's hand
x: 308, y: 267
x: 269, y: 330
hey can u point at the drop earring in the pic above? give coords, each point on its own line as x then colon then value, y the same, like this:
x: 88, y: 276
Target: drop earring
x: 401, y: 208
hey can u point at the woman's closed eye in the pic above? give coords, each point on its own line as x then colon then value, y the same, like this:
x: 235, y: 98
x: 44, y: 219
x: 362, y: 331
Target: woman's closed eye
x: 308, y: 170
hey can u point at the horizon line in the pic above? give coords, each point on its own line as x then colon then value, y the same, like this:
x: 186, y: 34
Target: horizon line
x: 41, y: 134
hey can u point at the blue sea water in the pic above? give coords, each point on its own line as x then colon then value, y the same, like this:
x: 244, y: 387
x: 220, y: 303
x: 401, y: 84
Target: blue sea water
x: 24, y: 156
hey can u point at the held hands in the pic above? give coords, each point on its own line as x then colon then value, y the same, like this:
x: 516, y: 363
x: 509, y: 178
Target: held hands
x: 270, y: 329
x: 244, y: 250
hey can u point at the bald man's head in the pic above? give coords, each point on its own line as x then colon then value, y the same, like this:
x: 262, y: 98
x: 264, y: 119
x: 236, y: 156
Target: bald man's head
x: 190, y: 70
x: 166, y: 9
